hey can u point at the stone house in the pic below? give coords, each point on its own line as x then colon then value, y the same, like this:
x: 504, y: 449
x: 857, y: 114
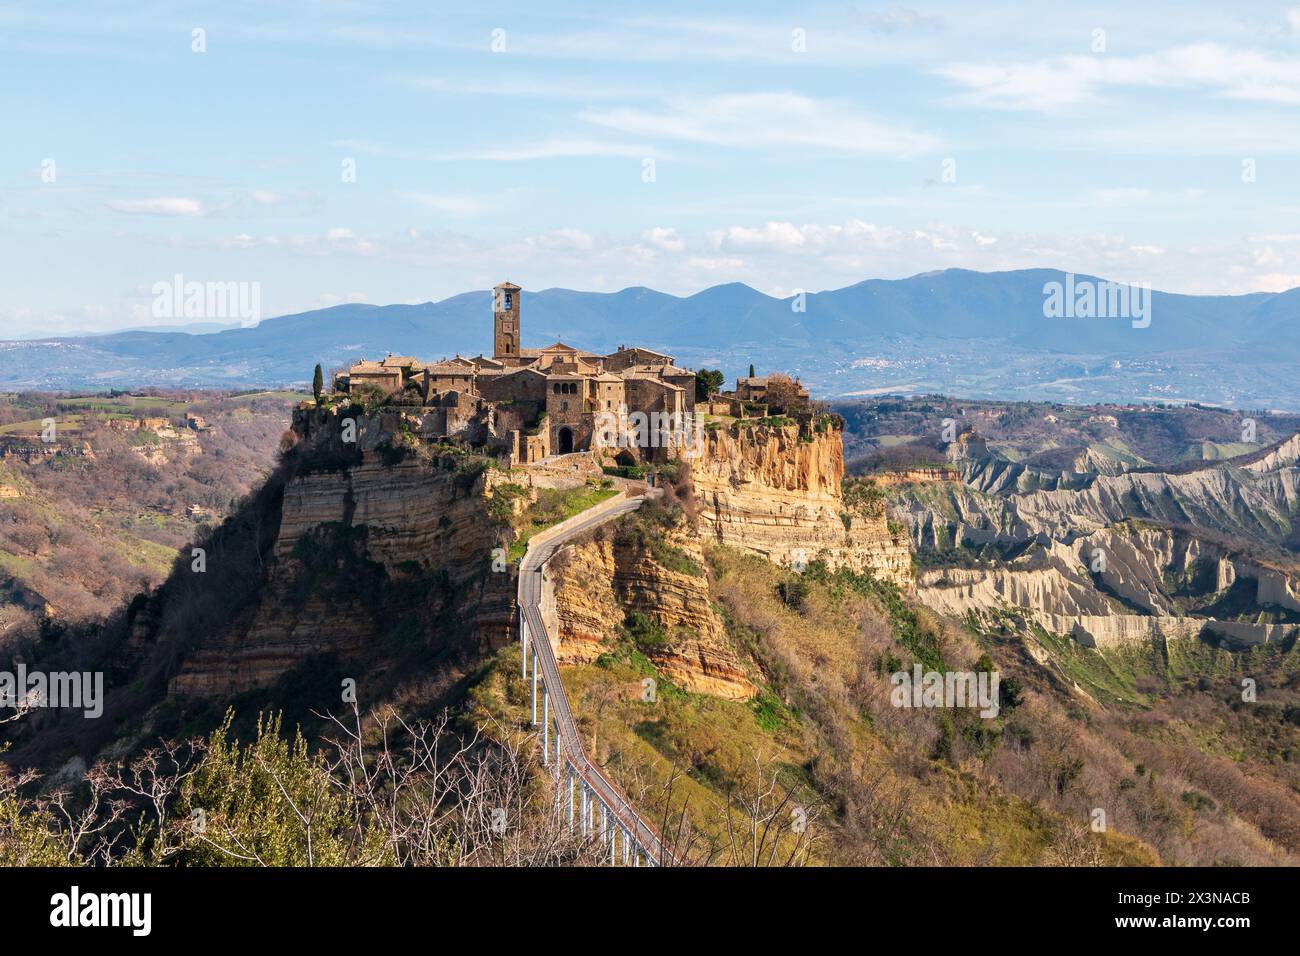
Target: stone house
x: 538, y: 402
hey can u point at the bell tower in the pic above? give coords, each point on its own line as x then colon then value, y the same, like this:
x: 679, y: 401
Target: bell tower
x: 505, y: 321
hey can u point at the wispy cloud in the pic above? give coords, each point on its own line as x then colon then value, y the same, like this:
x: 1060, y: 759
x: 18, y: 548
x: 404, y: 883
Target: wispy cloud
x: 272, y: 198
x: 573, y: 148
x: 664, y: 239
x: 456, y: 205
x: 767, y: 120
x: 1136, y: 195
x: 1052, y: 84
x: 162, y: 206
x: 520, y: 86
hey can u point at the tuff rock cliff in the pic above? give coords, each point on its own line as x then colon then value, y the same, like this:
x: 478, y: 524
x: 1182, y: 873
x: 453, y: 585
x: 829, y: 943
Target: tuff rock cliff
x: 373, y: 545
x: 1151, y: 583
x: 772, y: 491
x: 1256, y: 501
x: 385, y: 543
x: 594, y: 577
x: 1116, y: 559
x: 769, y: 489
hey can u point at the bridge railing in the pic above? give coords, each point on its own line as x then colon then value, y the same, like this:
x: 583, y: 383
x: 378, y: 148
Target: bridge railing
x: 571, y: 765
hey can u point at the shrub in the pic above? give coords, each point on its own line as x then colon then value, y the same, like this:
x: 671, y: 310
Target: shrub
x: 645, y: 632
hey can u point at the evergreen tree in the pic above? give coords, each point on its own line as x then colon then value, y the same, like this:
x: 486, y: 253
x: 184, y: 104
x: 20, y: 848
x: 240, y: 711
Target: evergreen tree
x: 707, y: 382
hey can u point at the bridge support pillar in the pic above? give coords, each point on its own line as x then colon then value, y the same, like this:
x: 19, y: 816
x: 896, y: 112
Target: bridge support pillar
x: 534, y: 688
x: 546, y: 726
x: 573, y: 779
x: 523, y: 644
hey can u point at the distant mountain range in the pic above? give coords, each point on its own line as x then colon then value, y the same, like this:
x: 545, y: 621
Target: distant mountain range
x: 979, y: 334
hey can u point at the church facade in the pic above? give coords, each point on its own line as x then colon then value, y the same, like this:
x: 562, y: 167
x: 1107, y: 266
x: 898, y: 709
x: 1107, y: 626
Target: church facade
x: 541, y: 402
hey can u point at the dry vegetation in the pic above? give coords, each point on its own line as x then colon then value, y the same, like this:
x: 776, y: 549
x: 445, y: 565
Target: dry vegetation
x: 83, y: 529
x: 1176, y: 778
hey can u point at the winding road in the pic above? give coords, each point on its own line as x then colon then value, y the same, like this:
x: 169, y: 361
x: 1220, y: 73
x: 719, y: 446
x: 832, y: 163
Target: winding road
x: 571, y: 752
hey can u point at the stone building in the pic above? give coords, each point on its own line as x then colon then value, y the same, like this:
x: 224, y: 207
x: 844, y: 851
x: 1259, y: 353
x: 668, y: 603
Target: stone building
x: 754, y: 389
x: 381, y: 376
x: 539, y: 402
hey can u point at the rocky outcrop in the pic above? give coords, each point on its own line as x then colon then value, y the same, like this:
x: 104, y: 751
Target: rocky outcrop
x: 1121, y: 585
x: 911, y: 476
x: 1284, y: 454
x: 169, y: 444
x: 373, y: 507
x: 32, y: 451
x: 598, y: 584
x: 769, y: 490
x: 371, y: 545
x: 999, y: 500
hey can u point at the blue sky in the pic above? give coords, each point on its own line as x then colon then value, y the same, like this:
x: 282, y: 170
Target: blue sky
x: 793, y: 147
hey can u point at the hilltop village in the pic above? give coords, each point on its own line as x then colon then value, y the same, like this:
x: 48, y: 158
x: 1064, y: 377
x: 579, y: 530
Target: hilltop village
x: 538, y: 403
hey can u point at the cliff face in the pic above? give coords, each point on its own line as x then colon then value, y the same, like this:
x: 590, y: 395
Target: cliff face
x: 764, y: 490
x: 1152, y: 584
x: 760, y: 488
x: 376, y: 541
x: 368, y: 549
x: 1181, y: 570
x: 598, y: 583
x: 1256, y: 502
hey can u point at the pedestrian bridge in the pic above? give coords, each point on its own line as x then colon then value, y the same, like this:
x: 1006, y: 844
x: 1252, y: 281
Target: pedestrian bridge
x: 596, y: 808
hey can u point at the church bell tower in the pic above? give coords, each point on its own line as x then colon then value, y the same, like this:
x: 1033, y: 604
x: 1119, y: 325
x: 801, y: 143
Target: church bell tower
x: 505, y: 321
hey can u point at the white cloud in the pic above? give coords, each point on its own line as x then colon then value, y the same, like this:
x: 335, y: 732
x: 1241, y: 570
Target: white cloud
x: 558, y: 148
x: 730, y: 264
x: 270, y: 197
x: 162, y: 206
x: 339, y: 233
x: 455, y: 205
x: 664, y: 238
x: 767, y: 120
x: 1049, y: 85
x: 565, y: 240
x: 534, y: 86
x: 786, y: 237
x: 1134, y: 195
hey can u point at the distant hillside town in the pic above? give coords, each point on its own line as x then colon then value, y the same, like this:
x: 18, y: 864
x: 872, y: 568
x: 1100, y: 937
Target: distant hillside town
x: 538, y: 403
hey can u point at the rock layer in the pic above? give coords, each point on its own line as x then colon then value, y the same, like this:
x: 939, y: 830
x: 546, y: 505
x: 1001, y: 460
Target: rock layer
x: 764, y: 489
x: 369, y: 546
x: 1113, y: 587
x: 592, y: 579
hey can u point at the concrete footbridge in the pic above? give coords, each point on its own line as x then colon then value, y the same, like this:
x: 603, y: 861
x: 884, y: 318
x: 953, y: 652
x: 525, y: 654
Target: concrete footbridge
x: 596, y: 807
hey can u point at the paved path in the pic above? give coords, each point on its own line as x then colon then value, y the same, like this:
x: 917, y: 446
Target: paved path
x: 572, y: 753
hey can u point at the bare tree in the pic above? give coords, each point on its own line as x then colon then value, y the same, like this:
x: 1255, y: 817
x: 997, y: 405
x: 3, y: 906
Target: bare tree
x: 766, y: 826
